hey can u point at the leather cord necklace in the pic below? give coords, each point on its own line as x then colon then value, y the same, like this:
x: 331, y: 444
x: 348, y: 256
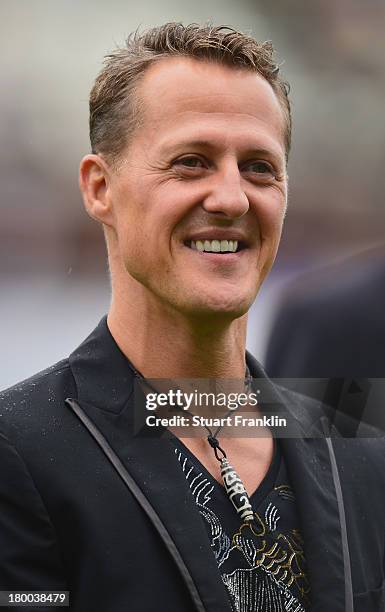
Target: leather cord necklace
x: 232, y: 482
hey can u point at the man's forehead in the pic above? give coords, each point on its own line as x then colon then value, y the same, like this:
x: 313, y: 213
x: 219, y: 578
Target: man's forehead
x: 183, y: 89
x: 190, y: 82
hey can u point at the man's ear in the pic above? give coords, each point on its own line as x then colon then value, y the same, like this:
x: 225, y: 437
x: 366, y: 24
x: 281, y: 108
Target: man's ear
x: 94, y: 182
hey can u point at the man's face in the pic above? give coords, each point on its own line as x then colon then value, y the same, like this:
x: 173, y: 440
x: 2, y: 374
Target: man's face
x: 204, y: 172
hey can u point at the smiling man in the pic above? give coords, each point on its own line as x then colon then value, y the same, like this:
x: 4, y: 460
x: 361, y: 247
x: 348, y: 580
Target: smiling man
x: 192, y: 210
x: 190, y: 134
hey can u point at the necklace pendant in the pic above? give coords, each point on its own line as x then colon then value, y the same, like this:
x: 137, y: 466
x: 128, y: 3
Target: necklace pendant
x: 236, y: 491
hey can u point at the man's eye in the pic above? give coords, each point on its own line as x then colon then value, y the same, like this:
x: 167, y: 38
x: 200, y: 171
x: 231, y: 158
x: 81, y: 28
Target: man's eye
x: 189, y: 162
x: 259, y: 167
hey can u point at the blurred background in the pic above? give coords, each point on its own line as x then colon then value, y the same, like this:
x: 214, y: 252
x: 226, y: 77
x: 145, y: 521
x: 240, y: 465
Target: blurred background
x: 53, y: 272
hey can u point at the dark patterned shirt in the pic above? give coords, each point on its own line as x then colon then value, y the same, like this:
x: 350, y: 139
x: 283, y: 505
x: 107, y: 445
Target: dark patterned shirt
x: 262, y: 565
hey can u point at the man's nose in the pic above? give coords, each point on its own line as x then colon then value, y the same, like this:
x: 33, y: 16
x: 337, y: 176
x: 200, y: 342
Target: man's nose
x: 226, y: 194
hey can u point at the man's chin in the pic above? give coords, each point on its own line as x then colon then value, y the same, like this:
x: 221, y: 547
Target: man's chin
x: 217, y: 308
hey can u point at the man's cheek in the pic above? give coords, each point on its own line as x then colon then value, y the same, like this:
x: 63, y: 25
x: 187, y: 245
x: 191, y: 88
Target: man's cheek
x: 134, y: 257
x: 270, y: 226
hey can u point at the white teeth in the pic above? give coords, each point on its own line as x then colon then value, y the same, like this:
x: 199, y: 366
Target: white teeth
x: 207, y: 246
x: 215, y: 246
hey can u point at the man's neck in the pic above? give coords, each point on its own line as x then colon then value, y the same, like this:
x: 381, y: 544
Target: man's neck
x: 165, y: 344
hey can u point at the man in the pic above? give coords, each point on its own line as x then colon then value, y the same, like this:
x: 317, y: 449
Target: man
x: 190, y: 132
x: 334, y: 325
x: 333, y: 328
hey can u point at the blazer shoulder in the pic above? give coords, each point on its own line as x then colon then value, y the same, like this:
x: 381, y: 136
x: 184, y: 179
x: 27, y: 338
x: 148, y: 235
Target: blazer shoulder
x: 38, y: 397
x: 363, y: 454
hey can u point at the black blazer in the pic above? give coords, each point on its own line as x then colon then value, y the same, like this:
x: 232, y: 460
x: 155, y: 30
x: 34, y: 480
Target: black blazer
x: 85, y: 506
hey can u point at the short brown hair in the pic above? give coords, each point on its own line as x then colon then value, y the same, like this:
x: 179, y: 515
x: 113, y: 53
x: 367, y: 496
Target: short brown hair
x: 113, y: 103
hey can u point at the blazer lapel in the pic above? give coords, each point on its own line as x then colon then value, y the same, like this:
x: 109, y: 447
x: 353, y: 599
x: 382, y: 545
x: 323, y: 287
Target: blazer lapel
x: 104, y: 379
x: 309, y: 466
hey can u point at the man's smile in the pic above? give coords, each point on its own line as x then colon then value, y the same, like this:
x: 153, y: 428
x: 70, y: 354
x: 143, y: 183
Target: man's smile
x: 214, y: 246
x: 217, y: 251
x: 218, y: 241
